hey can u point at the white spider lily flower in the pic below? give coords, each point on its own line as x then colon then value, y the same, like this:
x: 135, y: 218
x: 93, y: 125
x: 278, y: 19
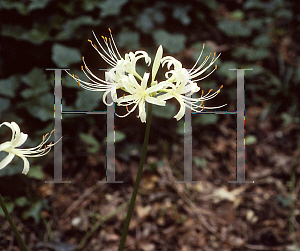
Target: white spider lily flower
x: 139, y: 94
x: 18, y: 138
x: 98, y: 84
x: 120, y: 65
x: 181, y: 74
x: 195, y: 104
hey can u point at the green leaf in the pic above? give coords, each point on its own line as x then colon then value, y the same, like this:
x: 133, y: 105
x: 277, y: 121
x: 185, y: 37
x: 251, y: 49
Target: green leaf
x: 224, y: 69
x: 111, y: 7
x: 64, y: 56
x: 148, y: 17
x: 91, y: 141
x: 34, y: 211
x: 4, y: 104
x: 34, y: 35
x: 72, y: 25
x: 21, y: 7
x: 181, y: 13
x: 238, y: 15
x: 287, y: 119
x: 234, y: 28
x: 9, y: 206
x: 9, y: 86
x: 87, y: 100
x: 38, y: 83
x: 205, y: 119
x: 36, y: 77
x: 262, y: 41
x: 251, y: 54
x: 21, y: 201
x: 212, y: 4
x: 174, y: 43
x: 200, y: 162
x: 36, y: 172
x: 117, y: 136
x: 250, y: 140
x: 180, y: 127
x: 167, y: 112
x: 128, y: 39
x: 40, y: 106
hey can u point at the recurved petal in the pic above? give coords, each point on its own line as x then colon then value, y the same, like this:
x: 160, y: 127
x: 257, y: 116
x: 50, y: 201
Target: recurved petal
x: 18, y: 141
x: 181, y: 111
x: 6, y: 160
x: 26, y: 165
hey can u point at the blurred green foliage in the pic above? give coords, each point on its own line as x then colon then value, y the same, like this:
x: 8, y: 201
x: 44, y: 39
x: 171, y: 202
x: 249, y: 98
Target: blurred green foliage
x: 258, y: 34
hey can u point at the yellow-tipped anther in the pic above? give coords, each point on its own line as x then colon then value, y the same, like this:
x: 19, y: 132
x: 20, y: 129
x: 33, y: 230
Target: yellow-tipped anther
x: 109, y: 39
x: 206, y: 57
x: 73, y: 76
x: 102, y: 37
x: 202, y: 92
x: 78, y: 83
x: 216, y: 66
x: 82, y: 58
x: 109, y: 30
x: 90, y: 41
x: 214, y: 54
x: 218, y: 91
x: 82, y: 68
x: 203, y: 107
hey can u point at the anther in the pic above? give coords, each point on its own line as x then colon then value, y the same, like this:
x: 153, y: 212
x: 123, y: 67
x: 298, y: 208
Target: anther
x: 95, y: 46
x: 90, y: 41
x: 203, y: 46
x: 221, y: 86
x: 82, y: 68
x: 82, y: 58
x: 214, y: 54
x: 127, y: 108
x: 76, y: 75
x: 109, y: 30
x: 216, y: 66
x: 78, y: 83
x: 210, y: 90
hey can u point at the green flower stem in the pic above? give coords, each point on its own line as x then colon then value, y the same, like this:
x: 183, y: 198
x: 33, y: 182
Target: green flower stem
x: 13, y: 226
x: 137, y: 181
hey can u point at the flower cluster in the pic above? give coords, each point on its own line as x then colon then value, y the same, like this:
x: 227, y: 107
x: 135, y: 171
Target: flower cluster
x: 180, y: 83
x: 18, y: 138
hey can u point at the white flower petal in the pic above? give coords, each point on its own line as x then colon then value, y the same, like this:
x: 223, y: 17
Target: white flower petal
x: 6, y: 160
x: 26, y: 165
